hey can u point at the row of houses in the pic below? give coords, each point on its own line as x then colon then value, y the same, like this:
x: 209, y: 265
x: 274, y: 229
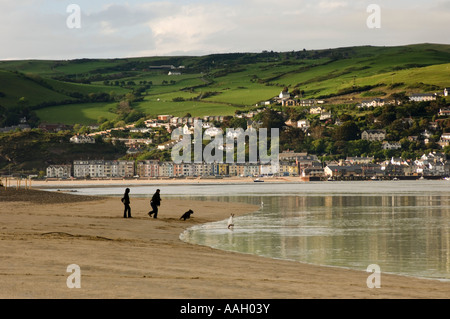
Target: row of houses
x: 157, y: 169
x: 93, y: 169
x: 432, y: 164
x: 416, y: 97
x: 305, y: 166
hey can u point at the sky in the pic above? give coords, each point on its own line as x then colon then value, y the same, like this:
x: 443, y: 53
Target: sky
x: 46, y: 29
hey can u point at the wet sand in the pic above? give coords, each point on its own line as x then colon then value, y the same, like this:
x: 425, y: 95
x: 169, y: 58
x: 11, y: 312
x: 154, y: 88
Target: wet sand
x: 43, y: 233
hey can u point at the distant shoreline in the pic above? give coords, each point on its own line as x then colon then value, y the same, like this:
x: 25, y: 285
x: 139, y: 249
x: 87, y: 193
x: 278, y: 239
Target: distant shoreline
x: 97, y: 183
x: 148, y: 182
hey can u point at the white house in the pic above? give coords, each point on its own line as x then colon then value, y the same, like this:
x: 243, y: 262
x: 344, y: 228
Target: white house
x: 391, y: 145
x: 316, y: 110
x: 269, y: 169
x: 444, y: 111
x: 325, y: 116
x: 303, y: 124
x: 309, y: 102
x: 59, y: 171
x: 80, y: 169
x: 213, y: 131
x: 397, y: 161
x: 168, y: 145
x: 251, y: 169
x: 82, y: 139
x: 284, y: 95
x: 445, y: 140
x: 423, y: 97
x: 373, y: 103
x: 373, y: 135
x: 446, y: 91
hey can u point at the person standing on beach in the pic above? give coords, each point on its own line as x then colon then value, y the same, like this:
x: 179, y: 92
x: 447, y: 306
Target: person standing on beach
x: 155, y: 202
x: 126, y: 203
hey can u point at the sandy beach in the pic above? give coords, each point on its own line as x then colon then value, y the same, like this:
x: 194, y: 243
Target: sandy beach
x: 43, y: 233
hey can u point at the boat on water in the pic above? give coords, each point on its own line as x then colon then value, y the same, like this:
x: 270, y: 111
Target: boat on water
x: 258, y: 180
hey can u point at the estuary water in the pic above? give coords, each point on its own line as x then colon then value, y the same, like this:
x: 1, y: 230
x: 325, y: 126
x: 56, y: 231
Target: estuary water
x: 402, y: 226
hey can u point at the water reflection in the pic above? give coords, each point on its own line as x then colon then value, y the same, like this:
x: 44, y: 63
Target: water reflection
x: 403, y: 234
x: 403, y: 226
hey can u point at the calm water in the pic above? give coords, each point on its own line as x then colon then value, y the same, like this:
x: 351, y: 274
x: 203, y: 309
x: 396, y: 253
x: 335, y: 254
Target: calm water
x: 403, y: 226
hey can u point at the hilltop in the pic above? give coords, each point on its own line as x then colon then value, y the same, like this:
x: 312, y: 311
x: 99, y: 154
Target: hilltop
x: 85, y: 90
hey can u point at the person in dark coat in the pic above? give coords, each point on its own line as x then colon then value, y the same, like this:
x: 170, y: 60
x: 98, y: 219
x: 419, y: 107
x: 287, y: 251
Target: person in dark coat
x: 126, y: 203
x: 155, y: 202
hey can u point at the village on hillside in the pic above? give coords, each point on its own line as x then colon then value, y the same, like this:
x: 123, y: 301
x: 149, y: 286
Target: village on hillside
x: 432, y: 165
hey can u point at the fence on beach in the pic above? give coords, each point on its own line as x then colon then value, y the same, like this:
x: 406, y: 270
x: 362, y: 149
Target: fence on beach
x: 14, y: 182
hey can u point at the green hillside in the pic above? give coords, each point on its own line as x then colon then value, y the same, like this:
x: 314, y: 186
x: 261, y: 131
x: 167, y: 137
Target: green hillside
x: 14, y: 86
x: 81, y: 91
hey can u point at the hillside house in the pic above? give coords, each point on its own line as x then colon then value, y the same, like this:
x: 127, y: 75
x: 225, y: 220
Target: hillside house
x: 446, y: 91
x: 359, y: 160
x: 325, y: 116
x: 373, y: 135
x: 132, y: 150
x: 316, y: 110
x: 290, y: 156
x: 289, y: 102
x: 54, y: 128
x: 164, y: 118
x: 285, y: 95
x: 444, y: 111
x: 303, y: 124
x: 377, y: 102
x: 168, y: 145
x: 444, y: 140
x: 423, y: 97
x: 213, y: 131
x: 82, y: 139
x: 20, y: 127
x: 391, y: 145
x: 308, y: 103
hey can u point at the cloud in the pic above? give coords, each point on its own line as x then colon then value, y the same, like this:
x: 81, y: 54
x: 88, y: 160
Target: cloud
x: 191, y: 26
x: 37, y: 28
x: 331, y: 5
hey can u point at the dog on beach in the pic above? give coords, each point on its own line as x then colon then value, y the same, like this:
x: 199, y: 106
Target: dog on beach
x: 187, y: 215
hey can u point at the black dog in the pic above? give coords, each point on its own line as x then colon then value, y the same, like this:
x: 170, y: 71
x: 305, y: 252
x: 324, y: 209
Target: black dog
x: 187, y: 215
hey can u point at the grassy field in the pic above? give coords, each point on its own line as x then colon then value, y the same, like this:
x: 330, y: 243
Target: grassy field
x: 223, y: 83
x: 85, y: 114
x: 15, y: 86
